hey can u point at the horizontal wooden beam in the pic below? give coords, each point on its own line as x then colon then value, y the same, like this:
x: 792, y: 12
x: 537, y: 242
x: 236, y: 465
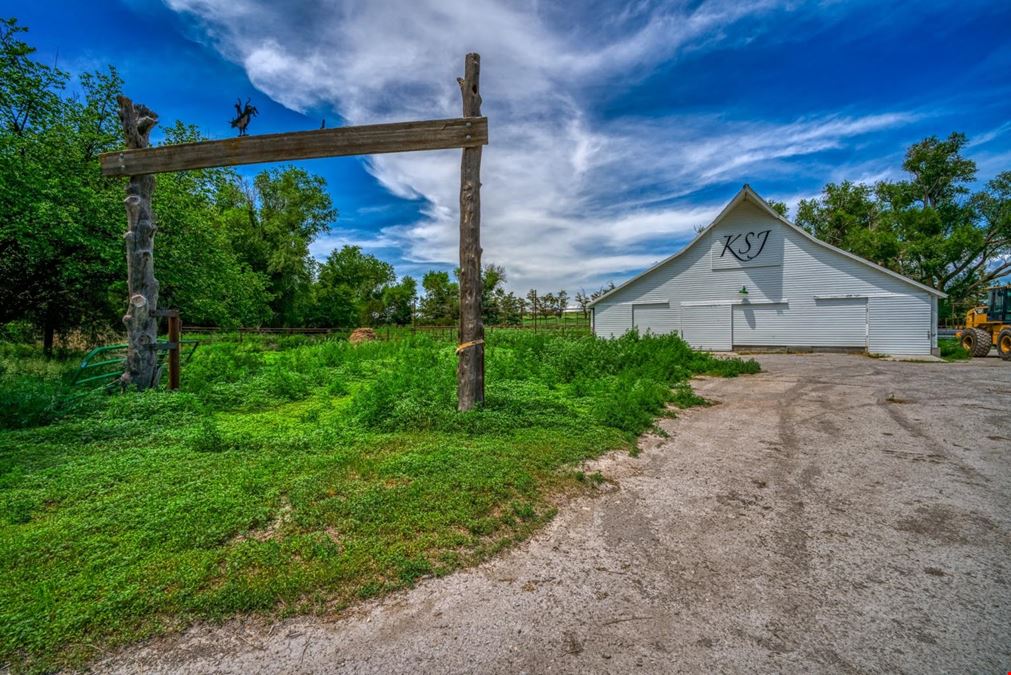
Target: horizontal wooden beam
x: 341, y: 141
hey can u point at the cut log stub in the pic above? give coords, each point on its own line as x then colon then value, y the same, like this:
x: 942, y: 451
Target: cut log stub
x: 141, y: 369
x: 470, y: 366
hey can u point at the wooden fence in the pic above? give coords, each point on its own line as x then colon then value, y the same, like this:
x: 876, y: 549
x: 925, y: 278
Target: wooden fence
x: 280, y: 331
x: 389, y: 332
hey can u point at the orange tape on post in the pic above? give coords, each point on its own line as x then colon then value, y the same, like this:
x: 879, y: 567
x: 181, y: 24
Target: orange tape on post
x: 467, y: 345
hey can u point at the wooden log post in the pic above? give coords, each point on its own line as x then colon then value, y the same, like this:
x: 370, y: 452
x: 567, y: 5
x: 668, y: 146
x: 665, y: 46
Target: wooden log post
x: 175, y: 336
x: 470, y: 350
x: 141, y: 369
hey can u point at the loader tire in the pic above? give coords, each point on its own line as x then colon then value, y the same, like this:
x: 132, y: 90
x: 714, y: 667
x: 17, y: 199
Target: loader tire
x: 976, y: 341
x: 1004, y: 344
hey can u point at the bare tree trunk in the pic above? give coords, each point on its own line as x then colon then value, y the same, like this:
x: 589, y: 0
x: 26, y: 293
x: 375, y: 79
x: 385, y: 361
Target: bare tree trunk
x: 141, y: 323
x: 470, y: 368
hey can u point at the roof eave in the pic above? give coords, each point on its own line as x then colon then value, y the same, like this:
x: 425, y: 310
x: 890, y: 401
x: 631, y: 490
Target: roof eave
x: 738, y: 198
x: 748, y: 194
x: 755, y: 198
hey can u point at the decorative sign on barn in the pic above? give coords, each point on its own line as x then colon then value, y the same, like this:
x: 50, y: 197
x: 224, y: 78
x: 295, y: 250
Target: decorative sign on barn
x: 759, y: 246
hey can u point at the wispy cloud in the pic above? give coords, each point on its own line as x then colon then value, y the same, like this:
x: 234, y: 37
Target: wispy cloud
x: 987, y: 136
x: 565, y: 193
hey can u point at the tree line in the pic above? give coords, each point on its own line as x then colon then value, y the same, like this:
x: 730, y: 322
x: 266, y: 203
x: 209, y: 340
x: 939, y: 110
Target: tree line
x: 231, y: 251
x: 930, y: 226
x: 234, y: 251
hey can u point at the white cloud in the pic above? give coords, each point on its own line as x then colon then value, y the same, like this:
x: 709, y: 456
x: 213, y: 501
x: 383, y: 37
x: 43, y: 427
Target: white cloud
x: 565, y: 196
x: 322, y: 245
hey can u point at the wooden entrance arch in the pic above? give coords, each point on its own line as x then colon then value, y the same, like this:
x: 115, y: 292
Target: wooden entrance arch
x: 140, y: 162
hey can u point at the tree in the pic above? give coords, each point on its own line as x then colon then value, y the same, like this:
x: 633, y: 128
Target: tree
x: 992, y: 259
x: 29, y: 90
x: 534, y: 303
x: 603, y: 290
x: 583, y: 300
x: 510, y: 307
x: 441, y: 304
x: 350, y: 288
x: 398, y: 301
x: 272, y: 222
x: 548, y: 303
x: 562, y: 300
x: 493, y: 278
x: 199, y: 271
x: 61, y: 223
x: 928, y: 227
x: 228, y: 252
x: 939, y: 170
x: 844, y: 210
x: 778, y: 207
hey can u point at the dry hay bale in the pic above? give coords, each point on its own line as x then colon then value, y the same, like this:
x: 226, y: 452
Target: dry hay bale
x: 359, y: 335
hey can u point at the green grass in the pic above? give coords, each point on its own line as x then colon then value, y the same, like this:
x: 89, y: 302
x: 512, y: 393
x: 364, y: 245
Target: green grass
x: 952, y: 350
x: 295, y: 476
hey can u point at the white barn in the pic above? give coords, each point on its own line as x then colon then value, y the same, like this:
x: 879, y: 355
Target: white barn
x: 752, y: 279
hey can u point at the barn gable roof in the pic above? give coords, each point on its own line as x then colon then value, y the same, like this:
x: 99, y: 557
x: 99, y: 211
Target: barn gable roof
x: 749, y: 195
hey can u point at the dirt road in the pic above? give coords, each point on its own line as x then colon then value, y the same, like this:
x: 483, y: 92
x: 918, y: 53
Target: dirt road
x: 834, y: 513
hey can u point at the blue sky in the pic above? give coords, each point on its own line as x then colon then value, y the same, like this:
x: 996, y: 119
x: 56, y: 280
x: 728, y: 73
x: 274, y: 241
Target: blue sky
x: 616, y: 128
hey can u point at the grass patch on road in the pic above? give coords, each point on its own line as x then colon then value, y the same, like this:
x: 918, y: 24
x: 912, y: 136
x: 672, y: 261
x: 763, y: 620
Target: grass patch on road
x: 291, y: 477
x: 952, y: 350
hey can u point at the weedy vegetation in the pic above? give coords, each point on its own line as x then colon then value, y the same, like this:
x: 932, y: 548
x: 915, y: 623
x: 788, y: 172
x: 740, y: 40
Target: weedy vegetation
x: 295, y: 477
x: 952, y: 350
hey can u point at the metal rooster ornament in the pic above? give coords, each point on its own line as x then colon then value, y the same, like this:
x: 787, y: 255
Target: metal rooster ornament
x: 243, y: 115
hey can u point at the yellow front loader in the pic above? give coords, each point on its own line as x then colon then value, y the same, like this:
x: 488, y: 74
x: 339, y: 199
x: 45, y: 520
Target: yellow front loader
x: 989, y: 325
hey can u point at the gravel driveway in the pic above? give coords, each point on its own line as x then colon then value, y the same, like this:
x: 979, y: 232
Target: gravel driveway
x: 834, y: 513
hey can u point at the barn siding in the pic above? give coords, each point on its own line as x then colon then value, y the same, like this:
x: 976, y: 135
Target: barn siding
x: 707, y: 326
x: 612, y: 320
x: 656, y: 318
x: 900, y: 325
x: 841, y: 323
x: 808, y: 285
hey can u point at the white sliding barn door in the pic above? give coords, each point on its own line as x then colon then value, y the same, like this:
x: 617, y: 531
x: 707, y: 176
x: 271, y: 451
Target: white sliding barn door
x: 707, y: 326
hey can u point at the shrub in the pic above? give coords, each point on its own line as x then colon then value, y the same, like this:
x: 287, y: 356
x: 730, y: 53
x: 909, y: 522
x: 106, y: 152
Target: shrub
x: 412, y: 392
x: 222, y: 362
x: 22, y: 332
x: 952, y: 350
x: 32, y: 388
x: 631, y: 403
x: 286, y: 384
x: 29, y: 402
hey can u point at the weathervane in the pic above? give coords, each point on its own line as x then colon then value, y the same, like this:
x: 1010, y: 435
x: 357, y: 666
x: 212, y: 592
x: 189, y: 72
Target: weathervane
x: 243, y: 115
